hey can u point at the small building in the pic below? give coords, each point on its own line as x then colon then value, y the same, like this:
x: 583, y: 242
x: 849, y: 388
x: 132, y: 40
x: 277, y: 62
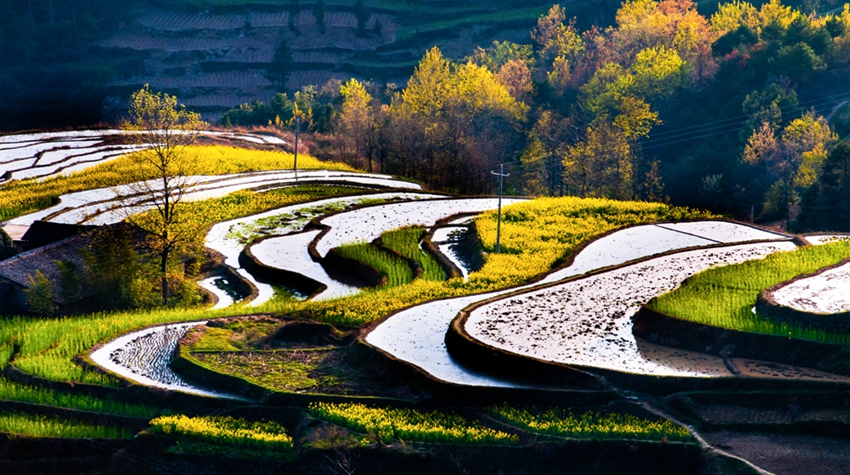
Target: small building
x: 15, y: 272
x: 42, y: 233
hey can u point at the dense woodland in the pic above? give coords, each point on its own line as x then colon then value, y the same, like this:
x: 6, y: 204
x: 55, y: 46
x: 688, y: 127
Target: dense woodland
x: 665, y: 104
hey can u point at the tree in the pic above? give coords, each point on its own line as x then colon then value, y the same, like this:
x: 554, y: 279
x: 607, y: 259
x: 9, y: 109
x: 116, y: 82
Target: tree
x: 281, y: 66
x: 7, y: 246
x: 40, y: 295
x: 356, y: 118
x: 162, y: 173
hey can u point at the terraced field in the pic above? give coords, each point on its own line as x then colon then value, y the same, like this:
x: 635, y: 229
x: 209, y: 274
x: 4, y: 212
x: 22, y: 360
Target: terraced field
x: 49, y: 154
x: 215, y: 58
x: 270, y: 349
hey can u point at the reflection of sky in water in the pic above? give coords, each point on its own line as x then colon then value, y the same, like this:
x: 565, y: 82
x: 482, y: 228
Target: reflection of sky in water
x: 416, y: 335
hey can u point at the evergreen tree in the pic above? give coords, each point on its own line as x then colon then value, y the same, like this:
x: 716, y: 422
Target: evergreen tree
x: 281, y: 66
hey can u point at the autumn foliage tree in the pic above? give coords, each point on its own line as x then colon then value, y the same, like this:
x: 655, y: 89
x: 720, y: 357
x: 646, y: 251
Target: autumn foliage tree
x: 163, y: 175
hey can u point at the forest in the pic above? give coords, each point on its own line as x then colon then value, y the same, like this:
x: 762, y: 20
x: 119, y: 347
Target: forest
x: 739, y: 112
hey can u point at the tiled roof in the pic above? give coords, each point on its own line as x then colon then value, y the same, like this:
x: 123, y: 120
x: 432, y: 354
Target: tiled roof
x: 18, y: 269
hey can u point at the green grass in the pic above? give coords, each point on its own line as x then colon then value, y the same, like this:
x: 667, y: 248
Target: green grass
x: 388, y: 424
x: 397, y: 271
x: 590, y: 425
x: 11, y: 391
x: 281, y: 370
x: 42, y: 426
x: 724, y: 296
x: 406, y: 241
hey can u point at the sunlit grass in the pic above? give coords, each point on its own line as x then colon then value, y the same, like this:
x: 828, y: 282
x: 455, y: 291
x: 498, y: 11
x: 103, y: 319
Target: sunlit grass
x: 43, y: 426
x: 406, y: 241
x: 724, y: 296
x: 25, y: 196
x: 589, y: 425
x: 389, y: 424
x: 396, y: 270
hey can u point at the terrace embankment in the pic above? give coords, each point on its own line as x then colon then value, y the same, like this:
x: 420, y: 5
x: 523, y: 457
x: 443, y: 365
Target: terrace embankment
x: 656, y: 327
x: 820, y: 300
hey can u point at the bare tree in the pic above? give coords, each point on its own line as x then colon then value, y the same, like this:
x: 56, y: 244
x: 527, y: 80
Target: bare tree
x: 162, y: 175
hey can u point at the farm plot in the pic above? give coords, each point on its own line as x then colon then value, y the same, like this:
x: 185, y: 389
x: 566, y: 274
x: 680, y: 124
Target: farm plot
x: 587, y: 322
x: 44, y: 155
x: 825, y: 293
x: 105, y: 205
x: 820, y: 239
x: 143, y: 357
x: 417, y: 335
x: 367, y: 224
x: 230, y: 237
x: 446, y: 239
x: 290, y: 253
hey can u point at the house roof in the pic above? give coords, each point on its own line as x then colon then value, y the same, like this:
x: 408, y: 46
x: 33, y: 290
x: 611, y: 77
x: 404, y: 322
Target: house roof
x: 44, y: 232
x: 18, y: 268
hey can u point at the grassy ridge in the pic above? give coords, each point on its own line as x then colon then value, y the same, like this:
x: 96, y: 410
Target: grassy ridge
x: 589, y: 425
x: 387, y: 424
x: 41, y: 426
x: 724, y: 296
x: 406, y: 241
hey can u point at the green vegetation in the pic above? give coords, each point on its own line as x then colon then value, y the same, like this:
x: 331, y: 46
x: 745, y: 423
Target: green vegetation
x: 590, y: 425
x: 313, y: 370
x: 406, y: 241
x: 724, y: 296
x: 11, y: 391
x: 387, y: 424
x: 206, y: 434
x: 42, y: 426
x: 397, y: 271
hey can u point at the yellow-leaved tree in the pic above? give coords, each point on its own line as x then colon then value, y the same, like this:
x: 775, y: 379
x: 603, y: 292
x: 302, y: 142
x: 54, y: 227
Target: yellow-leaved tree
x: 163, y: 175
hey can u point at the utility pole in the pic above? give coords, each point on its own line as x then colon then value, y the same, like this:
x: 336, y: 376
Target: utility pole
x: 297, y: 131
x: 501, y: 176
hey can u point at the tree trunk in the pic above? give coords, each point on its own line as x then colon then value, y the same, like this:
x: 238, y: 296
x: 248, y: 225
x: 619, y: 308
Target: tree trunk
x: 164, y: 276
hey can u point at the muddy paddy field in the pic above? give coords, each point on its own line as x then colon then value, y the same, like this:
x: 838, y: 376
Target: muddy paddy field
x: 291, y: 369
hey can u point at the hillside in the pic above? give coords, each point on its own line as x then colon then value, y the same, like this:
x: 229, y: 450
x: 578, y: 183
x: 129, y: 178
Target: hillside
x: 75, y: 63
